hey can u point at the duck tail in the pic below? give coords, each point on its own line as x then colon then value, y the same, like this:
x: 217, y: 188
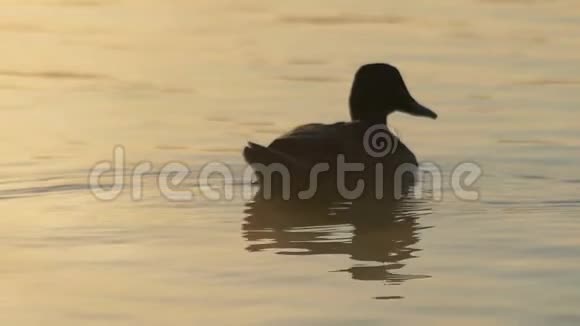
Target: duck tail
x: 253, y: 152
x: 258, y: 154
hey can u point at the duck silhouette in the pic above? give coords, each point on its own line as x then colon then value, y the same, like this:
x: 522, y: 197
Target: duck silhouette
x: 377, y: 91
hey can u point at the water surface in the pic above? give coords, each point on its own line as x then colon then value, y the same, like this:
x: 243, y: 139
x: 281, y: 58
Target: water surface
x: 193, y: 81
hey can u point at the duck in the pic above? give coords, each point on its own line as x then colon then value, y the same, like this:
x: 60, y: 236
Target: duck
x: 377, y: 91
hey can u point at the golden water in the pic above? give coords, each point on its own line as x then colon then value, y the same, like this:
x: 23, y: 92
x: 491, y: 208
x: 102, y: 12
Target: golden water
x: 192, y: 81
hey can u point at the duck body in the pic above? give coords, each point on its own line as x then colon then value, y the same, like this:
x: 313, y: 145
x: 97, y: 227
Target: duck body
x: 310, y: 144
x: 329, y: 146
x: 307, y: 146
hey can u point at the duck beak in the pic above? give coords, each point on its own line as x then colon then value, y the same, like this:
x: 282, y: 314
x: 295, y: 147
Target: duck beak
x: 414, y: 108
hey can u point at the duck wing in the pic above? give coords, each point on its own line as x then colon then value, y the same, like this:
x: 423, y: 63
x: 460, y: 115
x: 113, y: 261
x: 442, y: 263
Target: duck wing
x: 302, y: 147
x: 314, y: 143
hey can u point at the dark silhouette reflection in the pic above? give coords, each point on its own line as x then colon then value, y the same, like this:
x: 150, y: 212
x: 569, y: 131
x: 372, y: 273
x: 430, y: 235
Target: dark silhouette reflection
x: 379, y: 236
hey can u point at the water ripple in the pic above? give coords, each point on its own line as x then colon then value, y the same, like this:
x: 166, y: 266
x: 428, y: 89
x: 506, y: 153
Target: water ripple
x: 343, y: 19
x: 54, y: 74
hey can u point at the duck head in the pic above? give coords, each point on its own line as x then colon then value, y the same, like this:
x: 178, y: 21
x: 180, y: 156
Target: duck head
x: 378, y: 90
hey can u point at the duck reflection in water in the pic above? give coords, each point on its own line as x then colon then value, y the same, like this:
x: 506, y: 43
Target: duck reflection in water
x: 378, y: 235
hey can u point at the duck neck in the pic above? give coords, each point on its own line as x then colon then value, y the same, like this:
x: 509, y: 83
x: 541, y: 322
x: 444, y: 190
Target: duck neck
x: 367, y: 109
x: 372, y: 117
